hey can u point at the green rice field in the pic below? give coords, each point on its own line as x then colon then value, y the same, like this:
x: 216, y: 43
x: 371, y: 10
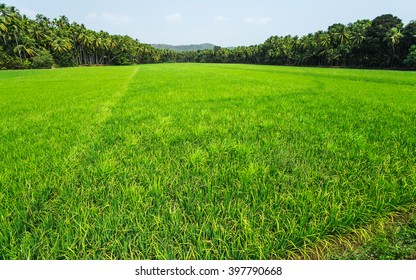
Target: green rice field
x: 200, y: 161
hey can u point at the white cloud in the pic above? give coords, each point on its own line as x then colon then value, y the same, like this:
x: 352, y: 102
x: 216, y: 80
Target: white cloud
x: 174, y: 17
x: 116, y: 19
x: 261, y: 20
x: 92, y: 16
x: 265, y: 20
x: 220, y: 19
x: 249, y: 20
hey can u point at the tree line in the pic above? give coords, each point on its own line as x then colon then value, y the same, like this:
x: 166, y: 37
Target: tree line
x: 43, y: 43
x: 384, y: 42
x: 380, y: 43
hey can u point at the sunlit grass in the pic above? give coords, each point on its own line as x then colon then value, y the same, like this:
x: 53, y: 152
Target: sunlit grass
x: 189, y: 161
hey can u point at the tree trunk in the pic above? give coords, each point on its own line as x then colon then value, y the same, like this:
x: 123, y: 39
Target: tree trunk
x: 17, y: 45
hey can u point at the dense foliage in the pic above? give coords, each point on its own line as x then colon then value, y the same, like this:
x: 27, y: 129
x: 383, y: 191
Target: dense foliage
x: 25, y: 42
x: 184, y: 48
x: 381, y: 43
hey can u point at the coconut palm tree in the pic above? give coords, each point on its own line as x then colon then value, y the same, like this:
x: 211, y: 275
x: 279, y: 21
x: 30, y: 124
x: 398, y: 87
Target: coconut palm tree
x: 393, y: 37
x: 61, y: 45
x: 4, y: 31
x: 26, y: 48
x: 324, y: 40
x: 15, y: 28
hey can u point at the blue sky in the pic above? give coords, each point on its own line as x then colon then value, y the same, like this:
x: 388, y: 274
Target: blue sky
x: 221, y: 22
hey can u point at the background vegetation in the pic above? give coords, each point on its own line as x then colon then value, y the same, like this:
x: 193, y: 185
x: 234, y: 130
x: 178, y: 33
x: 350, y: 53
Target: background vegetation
x: 383, y: 42
x: 182, y: 48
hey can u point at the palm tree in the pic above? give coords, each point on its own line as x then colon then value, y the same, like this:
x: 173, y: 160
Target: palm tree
x: 26, y: 48
x: 358, y: 37
x: 16, y: 27
x: 86, y: 40
x: 3, y: 30
x: 61, y: 45
x: 3, y: 9
x: 343, y: 36
x: 62, y: 22
x: 393, y: 37
x: 39, y: 33
x: 333, y: 56
x: 324, y: 40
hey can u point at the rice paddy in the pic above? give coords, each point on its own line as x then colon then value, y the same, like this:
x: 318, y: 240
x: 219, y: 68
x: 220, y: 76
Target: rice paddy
x: 200, y: 161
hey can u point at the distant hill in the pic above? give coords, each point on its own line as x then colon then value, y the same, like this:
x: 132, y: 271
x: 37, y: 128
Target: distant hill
x: 183, y: 48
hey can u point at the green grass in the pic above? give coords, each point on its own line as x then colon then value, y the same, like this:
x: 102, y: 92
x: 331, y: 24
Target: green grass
x: 397, y: 242
x: 392, y: 238
x: 200, y: 161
